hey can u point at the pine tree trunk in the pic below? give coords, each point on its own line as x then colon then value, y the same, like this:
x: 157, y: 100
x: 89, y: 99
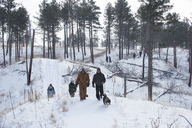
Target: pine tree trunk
x: 166, y: 60
x: 31, y: 58
x: 143, y: 67
x: 67, y: 47
x: 48, y: 43
x: 4, y: 64
x: 10, y: 47
x: 82, y: 46
x: 27, y: 40
x: 109, y: 44
x: 150, y: 55
x: 44, y: 43
x: 119, y: 41
x: 73, y: 45
x: 78, y: 37
x: 64, y: 30
x: 84, y: 39
x: 175, y: 56
x: 53, y: 41
x: 190, y: 64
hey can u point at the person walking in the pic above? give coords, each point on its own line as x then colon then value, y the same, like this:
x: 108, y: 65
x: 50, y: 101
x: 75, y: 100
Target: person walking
x: 99, y: 80
x: 72, y: 88
x: 50, y: 91
x: 83, y: 81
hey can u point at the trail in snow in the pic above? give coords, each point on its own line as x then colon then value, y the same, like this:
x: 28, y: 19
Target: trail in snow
x: 91, y: 113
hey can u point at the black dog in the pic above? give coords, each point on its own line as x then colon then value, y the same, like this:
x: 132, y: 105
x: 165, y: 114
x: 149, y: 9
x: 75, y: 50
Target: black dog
x: 106, y: 100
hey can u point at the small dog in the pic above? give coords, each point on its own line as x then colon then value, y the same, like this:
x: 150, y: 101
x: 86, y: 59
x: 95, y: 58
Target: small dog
x: 106, y: 100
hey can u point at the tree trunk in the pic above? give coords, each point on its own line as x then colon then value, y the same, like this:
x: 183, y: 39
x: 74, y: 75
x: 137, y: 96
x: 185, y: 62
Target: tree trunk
x: 166, y: 60
x: 10, y: 46
x: 73, y: 45
x: 27, y: 40
x: 53, y: 41
x: 175, y: 55
x: 78, y: 37
x: 4, y: 64
x: 67, y: 47
x: 31, y: 58
x: 119, y: 41
x: 44, y: 43
x: 190, y: 64
x: 70, y: 40
x: 64, y: 33
x: 150, y: 55
x: 143, y: 67
x: 82, y: 46
x: 109, y: 44
x: 84, y: 39
x: 48, y: 42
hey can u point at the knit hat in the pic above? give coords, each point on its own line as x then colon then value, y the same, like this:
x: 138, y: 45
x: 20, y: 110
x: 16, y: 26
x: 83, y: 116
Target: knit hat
x: 98, y: 69
x: 50, y: 84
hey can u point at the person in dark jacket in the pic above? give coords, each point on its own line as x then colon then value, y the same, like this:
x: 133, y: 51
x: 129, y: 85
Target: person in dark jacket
x: 99, y: 80
x: 72, y: 88
x: 50, y: 91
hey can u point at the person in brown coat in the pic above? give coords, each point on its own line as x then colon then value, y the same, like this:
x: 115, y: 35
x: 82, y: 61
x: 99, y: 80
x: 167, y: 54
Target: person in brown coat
x: 83, y: 81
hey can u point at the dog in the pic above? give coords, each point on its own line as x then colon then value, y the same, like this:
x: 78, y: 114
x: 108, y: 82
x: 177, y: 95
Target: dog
x: 106, y: 100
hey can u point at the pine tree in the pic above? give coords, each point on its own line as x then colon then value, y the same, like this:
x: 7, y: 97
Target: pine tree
x: 153, y: 11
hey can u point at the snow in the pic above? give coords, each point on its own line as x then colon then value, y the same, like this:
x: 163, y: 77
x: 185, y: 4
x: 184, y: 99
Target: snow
x: 62, y: 111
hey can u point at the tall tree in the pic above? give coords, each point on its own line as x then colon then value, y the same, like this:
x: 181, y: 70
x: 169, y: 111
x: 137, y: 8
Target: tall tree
x: 65, y: 20
x: 121, y: 11
x: 42, y: 23
x: 3, y: 16
x: 172, y: 20
x: 50, y: 16
x: 153, y: 13
x: 109, y: 21
x: 9, y: 6
x: 19, y: 22
x: 93, y: 23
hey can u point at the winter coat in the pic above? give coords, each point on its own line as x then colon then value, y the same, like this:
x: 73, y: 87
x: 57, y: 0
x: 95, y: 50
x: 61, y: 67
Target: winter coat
x: 72, y: 87
x: 82, y: 79
x: 98, y: 79
x: 50, y: 91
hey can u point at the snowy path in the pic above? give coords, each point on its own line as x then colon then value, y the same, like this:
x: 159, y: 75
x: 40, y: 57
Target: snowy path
x: 91, y: 113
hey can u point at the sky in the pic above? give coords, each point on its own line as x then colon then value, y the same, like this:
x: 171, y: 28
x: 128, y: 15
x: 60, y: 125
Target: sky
x: 183, y: 7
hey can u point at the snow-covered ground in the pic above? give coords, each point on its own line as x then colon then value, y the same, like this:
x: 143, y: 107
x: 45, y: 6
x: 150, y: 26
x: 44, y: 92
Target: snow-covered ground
x: 31, y: 109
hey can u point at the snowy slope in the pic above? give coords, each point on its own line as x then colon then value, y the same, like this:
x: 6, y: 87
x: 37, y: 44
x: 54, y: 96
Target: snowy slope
x: 62, y: 111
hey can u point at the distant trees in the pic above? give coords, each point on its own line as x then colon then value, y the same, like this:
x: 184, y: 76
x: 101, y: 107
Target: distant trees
x: 49, y: 20
x: 15, y: 20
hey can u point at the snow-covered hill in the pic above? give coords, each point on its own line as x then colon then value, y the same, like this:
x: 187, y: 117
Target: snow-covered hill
x: 31, y: 108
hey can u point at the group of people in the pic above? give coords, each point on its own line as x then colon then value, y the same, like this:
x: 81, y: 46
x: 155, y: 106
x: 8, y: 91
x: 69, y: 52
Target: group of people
x: 83, y: 82
x: 134, y: 54
x: 108, y: 58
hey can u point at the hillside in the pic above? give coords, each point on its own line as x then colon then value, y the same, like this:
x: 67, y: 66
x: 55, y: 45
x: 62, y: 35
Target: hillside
x: 34, y: 110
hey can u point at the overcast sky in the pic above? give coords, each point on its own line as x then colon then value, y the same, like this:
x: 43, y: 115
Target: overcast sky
x: 183, y: 7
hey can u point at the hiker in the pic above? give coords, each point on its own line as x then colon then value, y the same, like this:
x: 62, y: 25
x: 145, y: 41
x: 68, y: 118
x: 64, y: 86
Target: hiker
x: 72, y: 88
x: 99, y: 80
x: 83, y: 81
x: 50, y: 91
x: 134, y: 55
x: 109, y: 58
x: 140, y: 53
x: 106, y: 58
